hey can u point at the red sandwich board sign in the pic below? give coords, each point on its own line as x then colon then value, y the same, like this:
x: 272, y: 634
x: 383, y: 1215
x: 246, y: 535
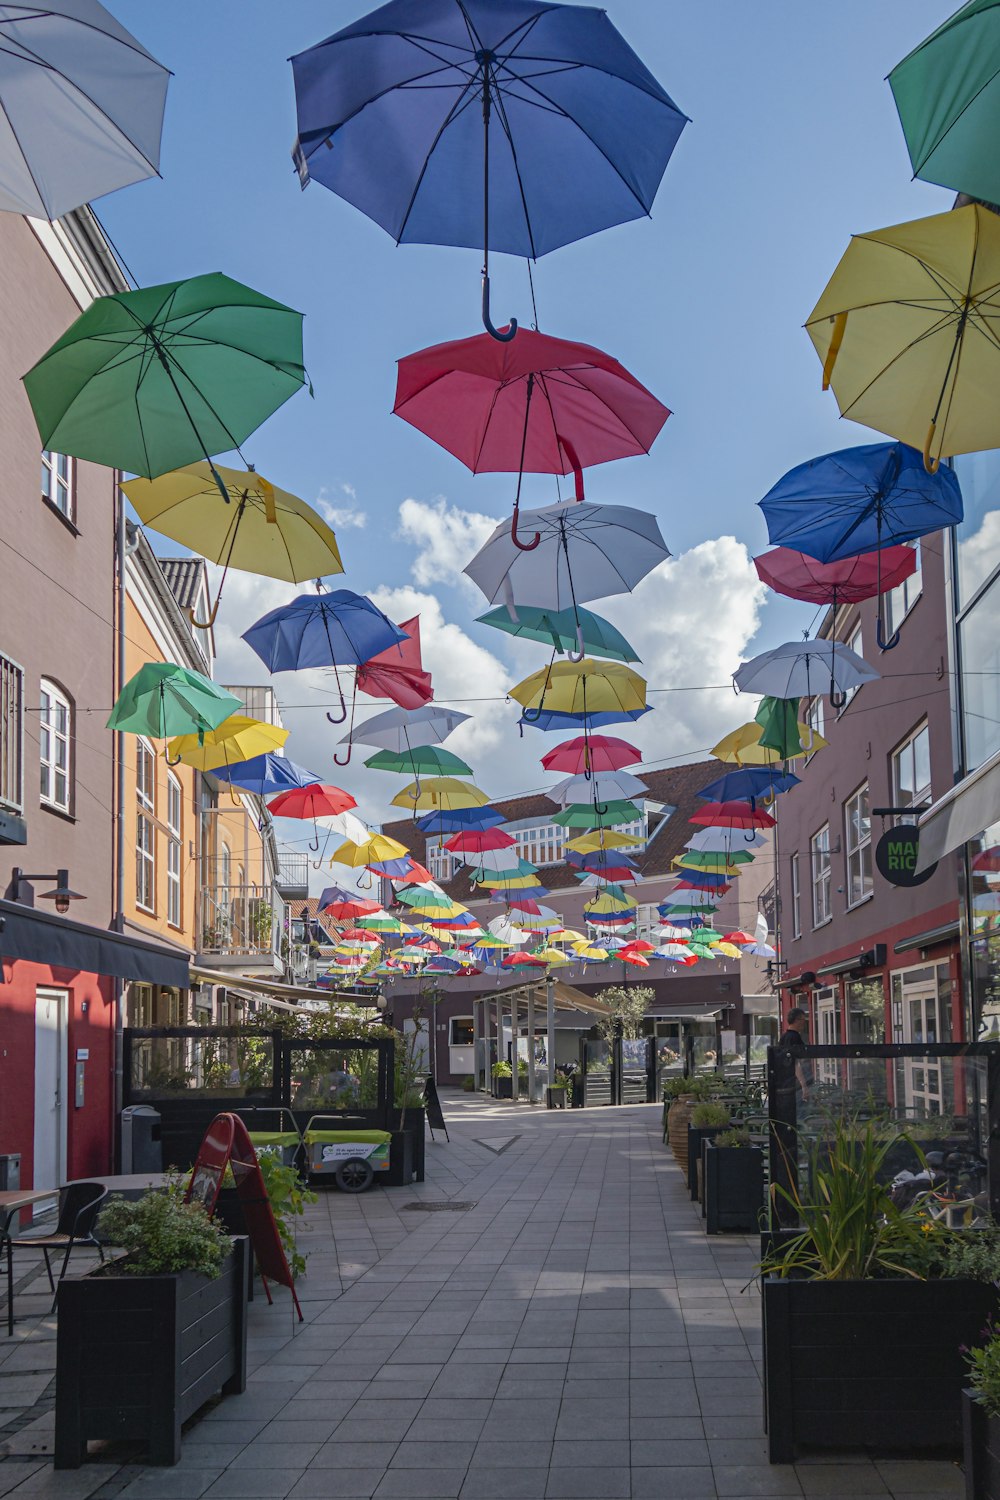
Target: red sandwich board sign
x: 227, y: 1144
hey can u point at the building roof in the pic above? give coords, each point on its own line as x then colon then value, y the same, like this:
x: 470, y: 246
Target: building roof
x: 309, y: 909
x: 184, y: 578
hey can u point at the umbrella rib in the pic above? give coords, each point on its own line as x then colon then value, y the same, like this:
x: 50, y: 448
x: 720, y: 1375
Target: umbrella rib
x: 464, y: 98
x: 505, y: 124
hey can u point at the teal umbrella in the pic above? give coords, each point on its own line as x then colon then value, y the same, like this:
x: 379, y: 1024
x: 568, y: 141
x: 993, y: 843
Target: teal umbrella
x: 947, y: 92
x: 150, y: 380
x: 558, y: 628
x: 162, y: 700
x: 422, y: 760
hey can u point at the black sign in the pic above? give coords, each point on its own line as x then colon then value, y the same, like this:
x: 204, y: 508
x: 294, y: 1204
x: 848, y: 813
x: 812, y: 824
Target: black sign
x: 432, y: 1104
x: 896, y: 856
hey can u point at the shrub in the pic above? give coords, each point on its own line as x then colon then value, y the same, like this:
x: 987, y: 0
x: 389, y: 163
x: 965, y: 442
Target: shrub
x: 469, y: 1083
x: 984, y: 1372
x: 288, y: 1198
x: 162, y: 1234
x: 710, y: 1113
x: 735, y: 1137
x: 501, y: 1070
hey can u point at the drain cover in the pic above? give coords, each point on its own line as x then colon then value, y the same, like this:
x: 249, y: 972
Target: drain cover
x: 449, y: 1206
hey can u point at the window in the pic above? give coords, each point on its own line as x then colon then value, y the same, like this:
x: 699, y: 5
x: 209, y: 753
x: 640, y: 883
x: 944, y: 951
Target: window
x: 542, y: 844
x: 814, y: 718
x: 858, y: 831
x: 441, y: 862
x: 911, y: 770
x: 796, y: 897
x: 462, y: 1032
x: 174, y: 827
x: 145, y: 833
x: 55, y: 727
x: 855, y: 643
x: 819, y: 855
x: 11, y: 735
x: 901, y: 600
x: 57, y: 482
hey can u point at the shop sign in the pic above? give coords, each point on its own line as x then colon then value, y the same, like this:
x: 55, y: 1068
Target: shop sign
x: 896, y: 855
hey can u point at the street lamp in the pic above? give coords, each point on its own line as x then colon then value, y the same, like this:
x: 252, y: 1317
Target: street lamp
x: 62, y: 895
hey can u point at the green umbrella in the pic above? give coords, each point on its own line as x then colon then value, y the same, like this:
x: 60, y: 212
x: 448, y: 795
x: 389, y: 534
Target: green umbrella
x: 150, y: 380
x: 604, y: 815
x: 947, y: 92
x: 779, y: 721
x: 422, y: 760
x: 558, y: 628
x: 162, y: 700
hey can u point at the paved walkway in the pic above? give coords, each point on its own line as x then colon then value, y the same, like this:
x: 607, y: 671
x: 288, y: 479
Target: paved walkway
x: 542, y: 1319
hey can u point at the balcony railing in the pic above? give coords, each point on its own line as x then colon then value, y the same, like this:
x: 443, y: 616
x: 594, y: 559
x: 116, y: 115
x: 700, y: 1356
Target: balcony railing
x: 240, y: 921
x: 293, y: 876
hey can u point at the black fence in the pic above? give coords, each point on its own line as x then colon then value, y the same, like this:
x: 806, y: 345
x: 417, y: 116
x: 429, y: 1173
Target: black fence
x: 618, y: 1072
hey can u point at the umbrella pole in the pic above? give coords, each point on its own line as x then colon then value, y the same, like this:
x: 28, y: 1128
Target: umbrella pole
x: 207, y: 624
x: 883, y: 644
x: 581, y: 650
x: 161, y: 355
x: 484, y: 57
x: 523, y: 546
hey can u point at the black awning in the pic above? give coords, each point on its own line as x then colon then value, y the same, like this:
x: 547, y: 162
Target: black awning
x: 46, y: 938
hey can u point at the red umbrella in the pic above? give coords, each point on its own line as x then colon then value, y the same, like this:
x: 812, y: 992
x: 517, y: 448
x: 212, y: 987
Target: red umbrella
x: 595, y: 752
x: 524, y: 960
x: 731, y: 815
x: 475, y: 841
x: 314, y: 801
x: 538, y: 405
x: 988, y: 861
x: 847, y: 581
x: 631, y: 957
x: 398, y: 672
x: 637, y: 945
x: 343, y: 911
x: 738, y: 937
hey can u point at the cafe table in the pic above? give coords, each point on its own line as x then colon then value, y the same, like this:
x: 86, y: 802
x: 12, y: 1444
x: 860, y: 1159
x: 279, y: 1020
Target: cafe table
x: 11, y: 1202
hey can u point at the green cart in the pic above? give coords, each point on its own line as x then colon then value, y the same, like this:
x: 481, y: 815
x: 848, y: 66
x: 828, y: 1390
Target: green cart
x: 285, y: 1142
x: 350, y: 1156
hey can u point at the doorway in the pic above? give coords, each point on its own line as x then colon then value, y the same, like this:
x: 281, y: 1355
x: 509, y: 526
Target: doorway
x: 51, y: 1011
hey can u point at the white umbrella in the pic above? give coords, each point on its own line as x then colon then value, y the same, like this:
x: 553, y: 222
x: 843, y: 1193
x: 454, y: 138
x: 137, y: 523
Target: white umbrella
x: 584, y: 551
x: 603, y: 786
x: 723, y: 841
x: 81, y: 106
x: 348, y: 825
x: 804, y: 669
x: 503, y: 928
x: 402, y: 729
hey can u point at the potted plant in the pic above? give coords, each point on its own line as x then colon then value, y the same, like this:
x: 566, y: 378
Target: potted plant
x: 707, y: 1118
x: 143, y: 1341
x: 981, y: 1419
x: 866, y: 1307
x: 502, y: 1075
x: 684, y: 1094
x: 732, y: 1180
x: 555, y: 1092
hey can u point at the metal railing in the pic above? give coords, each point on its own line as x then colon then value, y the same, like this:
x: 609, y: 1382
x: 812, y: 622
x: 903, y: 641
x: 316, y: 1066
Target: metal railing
x: 293, y: 873
x: 239, y: 920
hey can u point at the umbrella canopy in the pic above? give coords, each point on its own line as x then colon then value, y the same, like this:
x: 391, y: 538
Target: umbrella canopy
x: 905, y: 327
x: 81, y: 104
x: 581, y: 689
x: 347, y: 825
x: 602, y: 786
x: 797, y: 670
x: 547, y: 721
x: 603, y: 838
x: 398, y: 672
x: 478, y: 841
x: 149, y: 380
x: 163, y: 699
x: 589, y: 753
x: 346, y: 906
x: 732, y: 815
x: 400, y: 730
x: 264, y: 774
x: 321, y: 630
x: 601, y: 815
x: 749, y: 782
x: 558, y: 628
x: 457, y: 819
x: 440, y: 792
x: 780, y: 728
x: 237, y: 738
x: 847, y: 581
x: 316, y: 801
x: 424, y: 760
x: 721, y: 841
x: 743, y: 746
x: 581, y: 130
x: 599, y: 861
x: 377, y: 847
x: 715, y: 859
x: 947, y: 92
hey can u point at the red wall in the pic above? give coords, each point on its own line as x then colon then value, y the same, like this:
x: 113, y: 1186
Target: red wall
x: 89, y: 1129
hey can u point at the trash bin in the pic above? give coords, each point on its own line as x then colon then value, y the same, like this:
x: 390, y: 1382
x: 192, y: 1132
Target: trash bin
x: 140, y: 1138
x: 10, y: 1172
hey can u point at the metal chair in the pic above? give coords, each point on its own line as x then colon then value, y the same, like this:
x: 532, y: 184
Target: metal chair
x: 79, y: 1204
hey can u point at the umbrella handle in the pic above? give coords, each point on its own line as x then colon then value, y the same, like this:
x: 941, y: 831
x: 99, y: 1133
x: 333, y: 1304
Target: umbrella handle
x: 581, y: 649
x: 522, y: 546
x: 931, y: 464
x: 883, y: 644
x: 314, y: 843
x: 206, y: 624
x: 339, y: 718
x: 531, y: 715
x: 837, y: 700
x: 170, y: 762
x: 494, y: 333
x: 336, y: 758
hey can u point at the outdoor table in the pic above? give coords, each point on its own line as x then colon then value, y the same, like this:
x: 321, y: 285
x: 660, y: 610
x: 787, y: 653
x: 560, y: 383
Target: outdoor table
x: 131, y: 1185
x: 11, y: 1202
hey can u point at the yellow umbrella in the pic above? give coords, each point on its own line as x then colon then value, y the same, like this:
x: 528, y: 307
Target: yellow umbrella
x: 606, y: 902
x: 582, y: 687
x: 443, y: 792
x: 567, y: 935
x: 372, y: 852
x: 729, y: 949
x: 586, y: 950
x: 602, y: 838
x: 709, y: 864
x: 237, y: 738
x: 263, y: 530
x: 553, y: 957
x: 743, y: 746
x: 907, y: 332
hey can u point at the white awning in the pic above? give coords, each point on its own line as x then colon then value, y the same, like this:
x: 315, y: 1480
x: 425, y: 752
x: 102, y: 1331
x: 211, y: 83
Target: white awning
x: 961, y: 814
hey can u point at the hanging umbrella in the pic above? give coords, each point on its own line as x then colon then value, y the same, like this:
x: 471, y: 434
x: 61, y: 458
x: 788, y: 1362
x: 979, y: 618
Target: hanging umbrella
x: 346, y: 906
x: 719, y: 841
x: 377, y: 847
x: 590, y: 753
x: 796, y: 670
x: 732, y: 815
x: 163, y: 699
x: 237, y: 739
x: 847, y: 581
x: 400, y: 730
x: 478, y: 841
x: 503, y: 929
x: 440, y: 792
x: 584, y: 551
x: 261, y: 530
x: 347, y: 825
x: 598, y: 861
x: 602, y: 786
x: 474, y: 397
x: 264, y: 774
x: 547, y: 721
x: 317, y: 802
x: 750, y: 782
x: 603, y: 838
x: 715, y: 859
x: 604, y: 815
x: 611, y: 874
x: 149, y: 380
x: 398, y: 672
x: 557, y: 628
x: 81, y: 103
x: 905, y: 328
x: 947, y: 93
x: 590, y: 953
x: 743, y: 746
x: 581, y: 690
x: 581, y: 130
x: 425, y: 760
x: 779, y: 727
x: 458, y: 819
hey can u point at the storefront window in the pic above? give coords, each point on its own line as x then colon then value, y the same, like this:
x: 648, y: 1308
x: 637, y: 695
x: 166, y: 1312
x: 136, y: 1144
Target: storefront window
x: 866, y: 1010
x: 978, y: 536
x: 979, y: 645
x: 984, y: 931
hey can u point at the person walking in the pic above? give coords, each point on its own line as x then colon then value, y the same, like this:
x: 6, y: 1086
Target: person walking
x: 793, y: 1039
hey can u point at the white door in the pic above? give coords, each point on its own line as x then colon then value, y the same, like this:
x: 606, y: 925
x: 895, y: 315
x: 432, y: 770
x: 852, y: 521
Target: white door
x: 51, y: 1007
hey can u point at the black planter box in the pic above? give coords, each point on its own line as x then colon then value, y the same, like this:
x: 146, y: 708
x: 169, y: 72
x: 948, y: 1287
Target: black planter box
x: 137, y: 1355
x: 555, y: 1098
x: 414, y: 1122
x: 400, y: 1173
x: 868, y: 1364
x: 697, y: 1134
x: 732, y: 1188
x: 981, y: 1441
x: 503, y: 1088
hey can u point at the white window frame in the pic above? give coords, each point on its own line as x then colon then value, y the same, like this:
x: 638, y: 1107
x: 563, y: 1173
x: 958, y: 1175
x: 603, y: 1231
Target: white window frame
x: 900, y: 600
x: 11, y: 735
x: 55, y: 747
x: 920, y: 793
x: 821, y: 876
x: 59, y: 488
x: 145, y: 827
x: 175, y: 826
x: 815, y: 719
x: 856, y: 643
x: 796, y: 892
x: 858, y: 846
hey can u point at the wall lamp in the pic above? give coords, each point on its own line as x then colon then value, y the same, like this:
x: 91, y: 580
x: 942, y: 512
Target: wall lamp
x: 61, y: 895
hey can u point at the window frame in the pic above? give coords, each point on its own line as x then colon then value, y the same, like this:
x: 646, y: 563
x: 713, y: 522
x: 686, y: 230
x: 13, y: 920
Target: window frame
x: 795, y: 883
x: 462, y: 1021
x: 175, y: 843
x: 145, y: 828
x: 857, y: 850
x: 920, y: 794
x: 854, y: 642
x: 59, y: 483
x: 50, y: 734
x: 821, y: 879
x: 909, y: 591
x: 11, y: 735
x: 816, y: 719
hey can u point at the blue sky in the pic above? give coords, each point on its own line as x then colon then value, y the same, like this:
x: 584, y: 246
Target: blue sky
x: 794, y: 144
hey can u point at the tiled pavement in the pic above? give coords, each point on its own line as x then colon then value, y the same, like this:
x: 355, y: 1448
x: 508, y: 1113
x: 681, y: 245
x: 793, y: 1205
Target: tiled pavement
x: 571, y: 1334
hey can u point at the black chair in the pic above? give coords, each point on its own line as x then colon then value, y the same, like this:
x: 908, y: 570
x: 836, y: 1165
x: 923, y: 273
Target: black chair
x: 79, y: 1205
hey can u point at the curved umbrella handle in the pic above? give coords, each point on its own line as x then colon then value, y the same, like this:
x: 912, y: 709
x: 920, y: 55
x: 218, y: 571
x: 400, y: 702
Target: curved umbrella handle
x: 350, y: 749
x: 749, y: 836
x: 581, y: 649
x: 931, y: 464
x: 170, y: 762
x: 838, y: 700
x: 883, y: 644
x: 339, y: 718
x: 362, y: 886
x: 531, y: 715
x: 206, y: 624
x: 522, y: 546
x: 314, y: 843
x: 494, y: 333
x: 600, y: 809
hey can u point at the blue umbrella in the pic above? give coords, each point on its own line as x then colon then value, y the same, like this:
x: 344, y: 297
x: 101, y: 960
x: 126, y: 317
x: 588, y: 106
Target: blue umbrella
x: 547, y: 719
x: 459, y: 820
x: 748, y: 783
x: 323, y: 630
x: 599, y: 859
x: 706, y: 879
x: 394, y: 114
x: 265, y: 774
x: 859, y: 500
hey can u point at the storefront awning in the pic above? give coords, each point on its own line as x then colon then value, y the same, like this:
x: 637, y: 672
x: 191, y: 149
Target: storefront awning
x: 961, y: 814
x: 279, y: 994
x: 43, y: 937
x: 946, y: 933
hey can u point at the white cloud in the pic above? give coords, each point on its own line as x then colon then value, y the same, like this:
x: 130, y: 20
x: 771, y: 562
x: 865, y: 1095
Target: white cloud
x: 446, y: 535
x: 347, y: 517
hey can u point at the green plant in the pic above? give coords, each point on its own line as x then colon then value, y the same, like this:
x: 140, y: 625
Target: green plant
x: 698, y: 1086
x: 288, y: 1198
x: 735, y: 1137
x: 469, y: 1084
x: 628, y: 1004
x: 501, y: 1070
x: 973, y: 1254
x: 710, y: 1113
x: 162, y: 1234
x: 559, y: 1082
x: 984, y: 1371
